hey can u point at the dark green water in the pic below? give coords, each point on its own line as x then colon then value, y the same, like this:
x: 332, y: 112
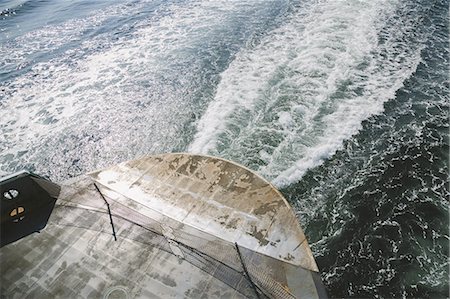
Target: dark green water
x: 379, y: 219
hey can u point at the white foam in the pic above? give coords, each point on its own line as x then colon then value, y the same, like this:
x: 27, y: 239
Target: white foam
x: 292, y: 100
x: 129, y: 98
x: 16, y: 53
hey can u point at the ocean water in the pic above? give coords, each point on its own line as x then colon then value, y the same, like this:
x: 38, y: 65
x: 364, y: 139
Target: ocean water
x: 343, y: 105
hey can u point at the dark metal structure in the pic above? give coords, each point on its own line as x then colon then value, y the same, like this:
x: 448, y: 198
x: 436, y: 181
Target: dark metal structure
x: 26, y: 203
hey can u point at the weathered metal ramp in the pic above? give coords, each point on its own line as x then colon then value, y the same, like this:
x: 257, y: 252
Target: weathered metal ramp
x: 187, y: 226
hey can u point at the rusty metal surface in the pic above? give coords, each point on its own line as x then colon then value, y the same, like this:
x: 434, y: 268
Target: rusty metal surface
x: 75, y: 256
x: 215, y: 196
x: 179, y: 219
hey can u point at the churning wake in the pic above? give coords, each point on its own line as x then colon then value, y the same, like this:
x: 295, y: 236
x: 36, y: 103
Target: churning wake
x: 114, y: 84
x: 286, y: 104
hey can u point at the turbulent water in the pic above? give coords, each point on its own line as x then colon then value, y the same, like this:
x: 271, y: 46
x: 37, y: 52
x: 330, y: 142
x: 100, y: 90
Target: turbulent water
x: 344, y: 105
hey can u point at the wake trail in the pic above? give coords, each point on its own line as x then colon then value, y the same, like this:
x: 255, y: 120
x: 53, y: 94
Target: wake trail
x: 287, y: 104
